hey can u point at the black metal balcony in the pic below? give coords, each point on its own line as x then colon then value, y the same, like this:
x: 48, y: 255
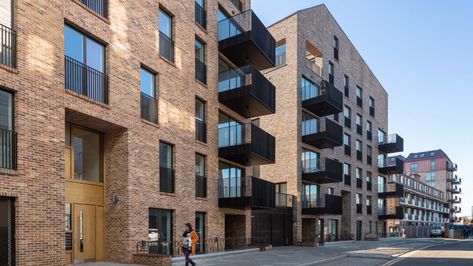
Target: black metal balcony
x: 246, y: 192
x: 7, y: 149
x: 246, y: 91
x: 454, y: 190
x: 451, y: 167
x: 391, y: 143
x: 85, y: 80
x: 395, y: 166
x: 329, y: 204
x: 455, y: 200
x: 359, y: 183
x: 384, y: 214
x: 327, y: 101
x: 322, y: 171
x: 148, y: 108
x: 98, y: 6
x: 200, y: 186
x: 166, y: 47
x: 7, y: 46
x: 244, y: 40
x: 392, y: 190
x: 246, y: 144
x: 166, y: 180
x: 328, y: 135
x: 200, y: 131
x: 200, y: 15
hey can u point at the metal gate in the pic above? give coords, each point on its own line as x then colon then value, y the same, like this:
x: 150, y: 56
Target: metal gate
x: 7, y: 232
x: 273, y: 224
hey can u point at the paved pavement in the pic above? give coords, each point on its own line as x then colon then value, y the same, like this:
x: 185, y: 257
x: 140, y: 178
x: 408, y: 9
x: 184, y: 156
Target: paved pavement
x: 452, y: 254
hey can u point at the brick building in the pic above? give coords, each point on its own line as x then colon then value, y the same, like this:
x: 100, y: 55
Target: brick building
x: 330, y: 127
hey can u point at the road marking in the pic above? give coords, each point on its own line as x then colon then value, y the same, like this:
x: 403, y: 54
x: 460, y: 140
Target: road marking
x: 410, y: 253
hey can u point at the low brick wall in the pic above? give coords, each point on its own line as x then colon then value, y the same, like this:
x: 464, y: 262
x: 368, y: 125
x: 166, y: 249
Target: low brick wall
x: 152, y: 260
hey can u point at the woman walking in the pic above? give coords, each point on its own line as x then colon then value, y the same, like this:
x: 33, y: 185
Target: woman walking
x: 189, y: 239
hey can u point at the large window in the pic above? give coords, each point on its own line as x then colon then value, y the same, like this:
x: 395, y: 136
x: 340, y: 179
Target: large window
x: 200, y: 175
x: 381, y: 136
x: 310, y: 161
x: 430, y: 176
x: 230, y: 183
x: 200, y: 125
x: 166, y: 167
x: 309, y: 89
x: 84, y: 65
x: 413, y: 168
x: 160, y: 221
x: 148, y: 96
x: 310, y: 196
x: 86, y: 153
x: 432, y: 165
x: 281, y: 54
x: 200, y: 66
x: 200, y: 13
x: 381, y: 184
x: 310, y: 124
x: 7, y: 232
x: 7, y: 134
x: 230, y: 132
x: 166, y: 43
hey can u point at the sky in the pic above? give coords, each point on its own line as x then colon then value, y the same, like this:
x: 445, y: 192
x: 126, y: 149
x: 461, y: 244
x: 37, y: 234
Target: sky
x: 422, y: 53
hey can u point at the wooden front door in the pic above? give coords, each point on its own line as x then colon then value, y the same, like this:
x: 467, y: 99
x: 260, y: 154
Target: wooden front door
x: 84, y: 232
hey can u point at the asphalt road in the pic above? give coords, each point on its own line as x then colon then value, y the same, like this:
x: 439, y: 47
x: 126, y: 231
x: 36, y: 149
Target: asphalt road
x: 452, y: 254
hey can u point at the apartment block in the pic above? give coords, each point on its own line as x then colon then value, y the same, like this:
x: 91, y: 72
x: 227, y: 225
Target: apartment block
x: 438, y: 170
x: 409, y: 206
x: 331, y: 129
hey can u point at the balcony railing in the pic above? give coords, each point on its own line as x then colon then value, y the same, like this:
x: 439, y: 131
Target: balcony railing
x: 85, y: 80
x: 7, y: 149
x: 200, y: 131
x: 451, y: 166
x: 200, y: 186
x: 98, y: 6
x: 246, y: 192
x: 246, y: 144
x: 166, y: 180
x: 148, y: 108
x: 7, y: 46
x: 200, y: 15
x: 328, y: 204
x: 246, y: 91
x: 285, y: 200
x: 327, y: 134
x: 244, y: 39
x: 200, y: 71
x: 396, y: 166
x: 166, y: 47
x: 392, y: 190
x: 322, y: 170
x: 397, y: 213
x: 391, y: 143
x: 323, y: 100
x: 314, y: 67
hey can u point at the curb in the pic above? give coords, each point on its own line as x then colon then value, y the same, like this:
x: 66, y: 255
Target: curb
x: 218, y: 254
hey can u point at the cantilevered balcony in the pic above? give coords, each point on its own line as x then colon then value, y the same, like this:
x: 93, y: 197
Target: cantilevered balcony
x: 322, y: 101
x: 329, y: 204
x: 246, y: 192
x: 244, y: 40
x: 454, y: 179
x: 452, y: 167
x: 246, y: 144
x: 393, y: 166
x: 454, y: 190
x: 325, y: 134
x: 246, y: 91
x: 455, y: 199
x: 392, y: 190
x: 322, y: 171
x: 391, y: 143
x: 384, y: 214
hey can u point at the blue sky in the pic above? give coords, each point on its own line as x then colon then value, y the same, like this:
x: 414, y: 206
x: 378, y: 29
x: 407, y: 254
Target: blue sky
x: 422, y: 53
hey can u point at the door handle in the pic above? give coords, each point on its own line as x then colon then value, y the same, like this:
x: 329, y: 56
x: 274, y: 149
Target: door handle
x: 81, y: 231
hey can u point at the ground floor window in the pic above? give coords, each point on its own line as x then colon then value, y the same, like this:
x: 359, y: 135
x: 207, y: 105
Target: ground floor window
x: 200, y: 230
x: 332, y: 229
x: 7, y: 229
x: 160, y: 221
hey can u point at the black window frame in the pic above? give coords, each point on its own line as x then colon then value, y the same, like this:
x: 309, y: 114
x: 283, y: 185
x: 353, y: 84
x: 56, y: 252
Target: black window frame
x: 163, y: 37
x: 166, y: 172
x: 201, y: 178
x: 201, y: 124
x: 201, y: 14
x: 201, y: 67
x: 331, y: 73
x: 145, y: 97
x: 336, y: 47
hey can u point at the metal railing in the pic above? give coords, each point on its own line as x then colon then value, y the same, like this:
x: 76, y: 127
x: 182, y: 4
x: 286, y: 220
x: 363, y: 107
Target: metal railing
x: 284, y: 200
x: 200, y: 130
x: 200, y: 71
x: 7, y: 46
x: 166, y: 180
x: 200, y: 15
x: 85, y: 80
x: 148, y: 108
x: 166, y: 47
x: 201, y: 186
x: 7, y: 149
x: 98, y: 6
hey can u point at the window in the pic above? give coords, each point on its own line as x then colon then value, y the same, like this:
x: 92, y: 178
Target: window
x: 200, y: 230
x: 331, y: 191
x: 148, y: 96
x: 7, y: 229
x: 347, y: 144
x: 309, y: 89
x: 310, y: 196
x: 310, y: 161
x: 358, y: 173
x: 331, y: 73
x: 381, y: 184
x: 166, y: 167
x: 7, y: 35
x: 369, y: 152
x: 335, y: 47
x: 381, y: 136
x: 347, y: 115
x: 359, y: 124
x: 358, y: 198
x: 200, y: 13
x: 346, y: 169
x: 200, y: 125
x: 413, y: 168
x: 68, y: 217
x: 166, y: 43
x: 432, y: 165
x: 85, y: 148
x: 369, y: 130
x: 359, y: 96
x: 346, y: 85
x: 430, y: 176
x: 281, y: 187
x: 281, y: 54
x: 160, y: 221
x: 200, y: 66
x: 200, y: 176
x: 7, y: 134
x: 310, y: 124
x: 359, y: 150
x: 369, y: 176
x: 84, y: 65
x: 371, y: 105
x: 368, y: 200
x: 230, y: 132
x: 230, y: 183
x: 98, y: 6
x: 6, y: 13
x: 333, y: 227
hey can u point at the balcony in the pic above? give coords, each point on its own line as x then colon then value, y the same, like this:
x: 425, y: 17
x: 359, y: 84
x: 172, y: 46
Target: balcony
x: 246, y: 91
x: 391, y: 143
x: 457, y: 209
x: 148, y: 108
x: 329, y: 204
x: 328, y: 135
x: 454, y: 190
x: 392, y: 190
x: 7, y: 149
x: 384, y: 214
x: 455, y: 200
x: 7, y: 46
x: 324, y: 101
x: 452, y: 167
x: 85, y: 80
x: 246, y: 192
x: 246, y: 144
x: 244, y: 40
x: 284, y: 200
x: 396, y: 166
x: 98, y: 6
x: 322, y: 171
x: 454, y: 179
